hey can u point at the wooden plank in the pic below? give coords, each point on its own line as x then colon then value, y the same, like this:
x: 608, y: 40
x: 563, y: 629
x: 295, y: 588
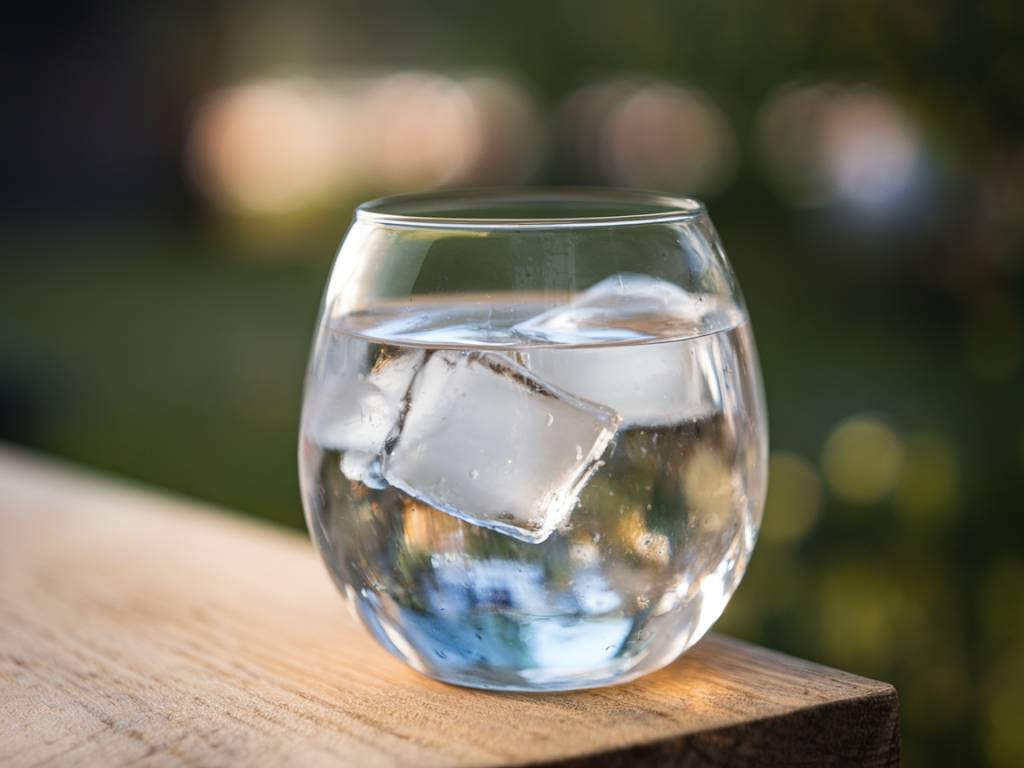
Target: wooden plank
x: 140, y: 629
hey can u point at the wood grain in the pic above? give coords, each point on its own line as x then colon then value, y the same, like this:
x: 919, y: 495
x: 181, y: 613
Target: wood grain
x: 139, y: 629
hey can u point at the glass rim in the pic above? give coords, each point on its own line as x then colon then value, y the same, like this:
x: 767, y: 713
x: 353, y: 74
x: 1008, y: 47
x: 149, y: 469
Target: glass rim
x: 452, y: 208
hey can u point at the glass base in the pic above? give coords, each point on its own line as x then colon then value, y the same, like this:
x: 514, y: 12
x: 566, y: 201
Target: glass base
x: 455, y: 664
x: 558, y: 685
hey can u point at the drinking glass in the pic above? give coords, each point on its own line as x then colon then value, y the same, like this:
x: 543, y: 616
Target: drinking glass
x: 533, y: 442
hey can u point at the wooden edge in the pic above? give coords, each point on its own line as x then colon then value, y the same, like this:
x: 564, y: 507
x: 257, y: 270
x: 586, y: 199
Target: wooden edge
x: 855, y: 732
x: 859, y: 729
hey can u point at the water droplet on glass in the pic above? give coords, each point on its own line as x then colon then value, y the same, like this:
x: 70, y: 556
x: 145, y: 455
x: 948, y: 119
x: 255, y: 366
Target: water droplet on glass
x: 474, y: 473
x: 551, y: 419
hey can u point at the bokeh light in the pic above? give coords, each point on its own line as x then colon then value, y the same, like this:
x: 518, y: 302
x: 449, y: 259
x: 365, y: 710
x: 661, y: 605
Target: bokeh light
x: 659, y: 135
x: 862, y: 459
x: 857, y: 605
x: 579, y: 124
x: 1002, y: 624
x: 510, y: 129
x: 419, y: 131
x: 269, y: 147
x: 869, y: 614
x: 794, y: 498
x: 264, y: 147
x: 664, y: 136
x: 929, y: 483
x: 1003, y: 709
x: 1002, y: 620
x: 851, y: 144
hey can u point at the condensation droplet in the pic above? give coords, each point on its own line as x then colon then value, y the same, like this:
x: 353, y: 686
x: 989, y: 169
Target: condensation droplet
x: 474, y: 473
x: 551, y: 419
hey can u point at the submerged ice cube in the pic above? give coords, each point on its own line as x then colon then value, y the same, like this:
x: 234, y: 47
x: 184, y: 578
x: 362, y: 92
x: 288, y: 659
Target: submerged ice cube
x: 648, y: 385
x: 487, y: 441
x: 356, y: 413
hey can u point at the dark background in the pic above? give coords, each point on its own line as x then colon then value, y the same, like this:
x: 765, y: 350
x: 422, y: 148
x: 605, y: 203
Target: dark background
x: 177, y: 177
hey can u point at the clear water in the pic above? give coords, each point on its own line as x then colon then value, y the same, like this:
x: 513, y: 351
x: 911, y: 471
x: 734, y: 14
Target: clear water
x: 514, y: 497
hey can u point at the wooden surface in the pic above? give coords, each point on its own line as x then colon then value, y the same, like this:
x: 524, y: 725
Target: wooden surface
x: 139, y: 629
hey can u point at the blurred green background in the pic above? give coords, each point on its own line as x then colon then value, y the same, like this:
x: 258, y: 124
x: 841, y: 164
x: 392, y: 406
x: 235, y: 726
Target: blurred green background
x: 177, y: 180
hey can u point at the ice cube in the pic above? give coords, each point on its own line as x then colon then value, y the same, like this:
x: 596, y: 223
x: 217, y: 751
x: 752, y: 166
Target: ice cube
x: 363, y: 467
x: 631, y: 306
x: 355, y: 413
x: 648, y: 385
x: 489, y: 442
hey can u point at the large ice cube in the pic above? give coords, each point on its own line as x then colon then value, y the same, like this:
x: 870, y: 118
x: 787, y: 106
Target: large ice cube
x: 355, y: 413
x: 647, y: 384
x: 629, y: 306
x: 487, y: 441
